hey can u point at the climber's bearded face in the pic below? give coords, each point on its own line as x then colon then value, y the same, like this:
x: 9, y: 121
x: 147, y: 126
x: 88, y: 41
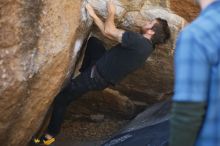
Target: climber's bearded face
x: 148, y: 25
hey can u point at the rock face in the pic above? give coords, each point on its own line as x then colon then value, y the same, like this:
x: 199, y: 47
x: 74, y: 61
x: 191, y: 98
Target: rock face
x: 39, y: 45
x: 189, y: 6
x: 39, y: 41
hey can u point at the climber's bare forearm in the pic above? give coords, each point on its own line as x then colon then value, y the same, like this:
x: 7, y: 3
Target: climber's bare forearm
x: 110, y: 28
x: 100, y: 25
x: 96, y: 19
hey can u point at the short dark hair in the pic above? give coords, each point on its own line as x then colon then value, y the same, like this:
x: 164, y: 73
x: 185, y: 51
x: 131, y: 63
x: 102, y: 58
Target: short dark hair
x: 162, y: 32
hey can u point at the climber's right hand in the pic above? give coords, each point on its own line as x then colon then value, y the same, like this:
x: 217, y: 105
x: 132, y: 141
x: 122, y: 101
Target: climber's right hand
x: 90, y: 10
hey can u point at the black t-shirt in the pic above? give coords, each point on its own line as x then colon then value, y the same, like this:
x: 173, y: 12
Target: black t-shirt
x: 125, y: 57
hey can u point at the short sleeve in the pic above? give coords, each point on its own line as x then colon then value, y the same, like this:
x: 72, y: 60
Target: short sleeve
x: 192, y: 69
x: 131, y: 39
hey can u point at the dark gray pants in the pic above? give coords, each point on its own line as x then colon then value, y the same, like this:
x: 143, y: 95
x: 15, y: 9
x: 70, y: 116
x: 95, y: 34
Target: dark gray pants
x: 79, y: 85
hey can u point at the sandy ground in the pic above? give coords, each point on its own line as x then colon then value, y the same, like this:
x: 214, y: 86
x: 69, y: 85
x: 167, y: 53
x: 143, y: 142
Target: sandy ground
x: 75, y: 142
x: 84, y: 132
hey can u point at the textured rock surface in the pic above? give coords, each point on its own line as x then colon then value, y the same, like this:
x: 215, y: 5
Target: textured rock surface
x: 186, y: 9
x: 38, y: 50
x: 39, y: 43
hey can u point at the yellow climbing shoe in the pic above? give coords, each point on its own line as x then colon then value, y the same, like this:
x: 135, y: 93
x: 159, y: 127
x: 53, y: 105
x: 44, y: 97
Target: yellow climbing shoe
x: 42, y: 142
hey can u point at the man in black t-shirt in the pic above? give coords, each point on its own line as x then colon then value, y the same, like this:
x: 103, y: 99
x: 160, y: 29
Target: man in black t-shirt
x: 102, y: 68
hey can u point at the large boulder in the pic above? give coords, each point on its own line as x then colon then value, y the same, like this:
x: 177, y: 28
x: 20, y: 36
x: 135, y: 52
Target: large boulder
x: 39, y: 45
x: 39, y: 41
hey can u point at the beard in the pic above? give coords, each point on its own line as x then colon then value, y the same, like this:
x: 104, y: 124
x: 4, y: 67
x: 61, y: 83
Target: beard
x: 143, y: 30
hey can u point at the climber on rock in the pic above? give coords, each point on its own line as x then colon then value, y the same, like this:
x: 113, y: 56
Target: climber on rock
x: 102, y: 68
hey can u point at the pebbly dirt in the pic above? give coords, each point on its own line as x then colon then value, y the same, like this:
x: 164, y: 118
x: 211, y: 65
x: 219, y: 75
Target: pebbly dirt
x: 87, y: 132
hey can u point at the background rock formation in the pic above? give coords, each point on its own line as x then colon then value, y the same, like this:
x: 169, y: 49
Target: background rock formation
x: 39, y: 44
x: 151, y: 83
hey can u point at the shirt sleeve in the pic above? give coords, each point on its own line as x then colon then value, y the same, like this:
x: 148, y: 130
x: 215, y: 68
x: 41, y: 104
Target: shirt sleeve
x: 131, y: 39
x: 182, y: 131
x: 192, y: 69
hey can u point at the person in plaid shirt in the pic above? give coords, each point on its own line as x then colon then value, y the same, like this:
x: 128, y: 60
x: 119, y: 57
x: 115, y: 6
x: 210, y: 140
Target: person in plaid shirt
x: 195, y: 117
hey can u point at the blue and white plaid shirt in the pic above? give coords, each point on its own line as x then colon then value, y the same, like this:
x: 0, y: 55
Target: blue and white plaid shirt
x: 197, y: 70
